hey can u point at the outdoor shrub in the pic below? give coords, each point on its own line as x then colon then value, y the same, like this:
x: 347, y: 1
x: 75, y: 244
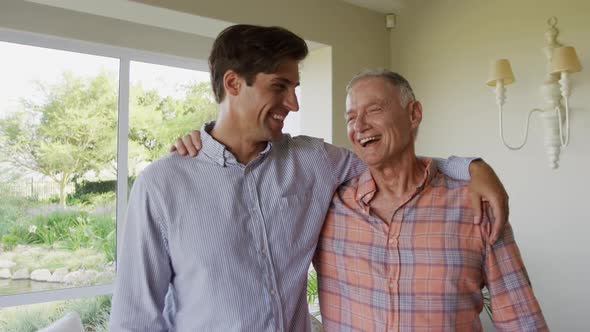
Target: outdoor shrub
x: 94, y: 313
x: 107, y: 198
x: 11, y: 211
x: 9, y: 241
x: 59, y: 226
x: 95, y: 187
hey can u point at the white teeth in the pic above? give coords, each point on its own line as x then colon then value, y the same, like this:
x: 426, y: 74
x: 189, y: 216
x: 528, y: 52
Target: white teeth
x: 366, y: 140
x: 278, y: 117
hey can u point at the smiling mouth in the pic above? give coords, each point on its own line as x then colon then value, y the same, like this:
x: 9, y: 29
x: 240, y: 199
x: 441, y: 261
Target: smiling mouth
x: 368, y: 140
x: 278, y: 117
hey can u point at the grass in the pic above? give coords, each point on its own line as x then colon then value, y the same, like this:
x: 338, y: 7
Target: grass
x: 71, y: 230
x: 41, y: 257
x: 94, y: 313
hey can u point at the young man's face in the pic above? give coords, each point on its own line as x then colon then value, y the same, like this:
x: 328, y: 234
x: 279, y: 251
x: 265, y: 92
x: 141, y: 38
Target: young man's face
x: 378, y: 127
x: 266, y: 104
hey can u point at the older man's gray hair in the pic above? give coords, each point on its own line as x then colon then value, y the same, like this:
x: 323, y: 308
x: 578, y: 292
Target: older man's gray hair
x: 406, y: 94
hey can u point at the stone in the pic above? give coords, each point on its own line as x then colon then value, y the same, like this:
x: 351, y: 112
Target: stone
x: 58, y: 275
x: 41, y: 275
x: 5, y: 274
x: 6, y: 264
x: 74, y: 278
x: 21, y: 274
x: 81, y: 277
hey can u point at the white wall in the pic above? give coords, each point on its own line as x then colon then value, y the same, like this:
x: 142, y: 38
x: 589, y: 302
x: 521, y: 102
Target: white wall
x: 316, y: 98
x: 444, y: 48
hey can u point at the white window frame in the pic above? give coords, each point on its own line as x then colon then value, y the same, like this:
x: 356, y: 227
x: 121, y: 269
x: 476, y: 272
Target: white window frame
x: 125, y: 56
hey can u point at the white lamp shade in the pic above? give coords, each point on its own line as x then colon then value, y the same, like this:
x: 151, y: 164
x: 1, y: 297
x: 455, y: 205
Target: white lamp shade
x: 565, y: 59
x: 500, y: 70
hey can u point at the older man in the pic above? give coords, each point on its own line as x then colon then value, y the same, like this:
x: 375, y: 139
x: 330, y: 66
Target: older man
x: 399, y: 250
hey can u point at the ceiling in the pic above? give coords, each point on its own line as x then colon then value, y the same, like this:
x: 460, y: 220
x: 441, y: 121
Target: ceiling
x: 382, y: 6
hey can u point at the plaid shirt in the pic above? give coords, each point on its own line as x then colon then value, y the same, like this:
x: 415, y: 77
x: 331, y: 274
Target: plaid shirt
x: 423, y: 271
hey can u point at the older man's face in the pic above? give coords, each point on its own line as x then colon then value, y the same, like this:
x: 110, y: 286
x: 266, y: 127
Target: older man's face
x: 379, y: 129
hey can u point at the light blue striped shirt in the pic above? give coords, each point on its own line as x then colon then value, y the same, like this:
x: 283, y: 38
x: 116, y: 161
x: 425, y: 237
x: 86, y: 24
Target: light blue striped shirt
x: 235, y: 241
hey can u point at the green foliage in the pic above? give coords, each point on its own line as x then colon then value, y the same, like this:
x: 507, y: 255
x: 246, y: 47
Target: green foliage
x: 487, y: 303
x: 312, y: 286
x: 9, y: 241
x: 95, y: 187
x: 156, y: 122
x: 11, y: 211
x: 70, y: 132
x: 94, y: 313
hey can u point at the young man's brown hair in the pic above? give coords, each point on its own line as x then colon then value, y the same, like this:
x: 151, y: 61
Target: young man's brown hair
x: 249, y: 50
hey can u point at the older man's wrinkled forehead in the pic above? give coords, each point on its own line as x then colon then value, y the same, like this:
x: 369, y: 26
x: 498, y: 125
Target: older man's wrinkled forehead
x: 371, y: 90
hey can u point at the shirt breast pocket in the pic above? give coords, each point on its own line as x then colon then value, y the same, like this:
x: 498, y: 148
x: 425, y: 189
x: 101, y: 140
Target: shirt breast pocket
x: 296, y: 221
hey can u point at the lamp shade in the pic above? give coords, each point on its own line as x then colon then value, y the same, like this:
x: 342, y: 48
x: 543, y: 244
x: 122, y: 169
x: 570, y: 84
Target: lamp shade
x: 500, y: 70
x: 565, y: 59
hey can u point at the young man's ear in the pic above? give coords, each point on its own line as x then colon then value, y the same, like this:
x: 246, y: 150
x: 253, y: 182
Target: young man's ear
x: 232, y: 82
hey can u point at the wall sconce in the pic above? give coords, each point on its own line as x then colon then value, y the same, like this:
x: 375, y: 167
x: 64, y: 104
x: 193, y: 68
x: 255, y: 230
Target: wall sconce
x: 561, y: 62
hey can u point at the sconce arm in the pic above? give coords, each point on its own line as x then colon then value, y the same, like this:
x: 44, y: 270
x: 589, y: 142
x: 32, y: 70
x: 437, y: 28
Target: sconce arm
x: 564, y: 138
x: 526, y: 132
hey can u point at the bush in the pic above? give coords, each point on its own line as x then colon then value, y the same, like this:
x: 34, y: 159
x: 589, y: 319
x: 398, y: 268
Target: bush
x: 95, y: 187
x: 9, y: 241
x: 12, y: 211
x: 94, y: 313
x: 66, y: 229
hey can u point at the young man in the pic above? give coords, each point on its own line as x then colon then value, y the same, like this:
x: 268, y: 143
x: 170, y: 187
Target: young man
x: 234, y: 230
x: 399, y: 250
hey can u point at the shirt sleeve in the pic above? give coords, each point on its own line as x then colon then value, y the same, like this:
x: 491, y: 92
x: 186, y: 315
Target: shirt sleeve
x: 455, y: 167
x: 143, y: 267
x: 346, y: 165
x: 514, y: 306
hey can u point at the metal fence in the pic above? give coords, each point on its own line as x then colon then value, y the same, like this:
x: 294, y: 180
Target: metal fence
x: 33, y: 189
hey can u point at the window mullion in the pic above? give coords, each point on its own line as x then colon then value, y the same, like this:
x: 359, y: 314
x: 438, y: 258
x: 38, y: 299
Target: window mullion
x: 122, y: 148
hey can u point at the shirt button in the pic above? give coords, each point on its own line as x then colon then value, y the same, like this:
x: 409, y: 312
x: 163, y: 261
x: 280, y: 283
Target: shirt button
x: 272, y: 292
x: 391, y: 285
x: 391, y: 241
x: 262, y: 251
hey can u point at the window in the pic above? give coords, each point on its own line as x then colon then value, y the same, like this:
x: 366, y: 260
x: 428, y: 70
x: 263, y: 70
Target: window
x: 64, y: 173
x: 58, y: 139
x: 164, y: 103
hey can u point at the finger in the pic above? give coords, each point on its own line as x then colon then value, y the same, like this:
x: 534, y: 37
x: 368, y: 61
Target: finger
x: 476, y: 206
x: 499, y: 211
x: 180, y: 147
x: 172, y: 148
x: 188, y: 144
x: 196, y: 138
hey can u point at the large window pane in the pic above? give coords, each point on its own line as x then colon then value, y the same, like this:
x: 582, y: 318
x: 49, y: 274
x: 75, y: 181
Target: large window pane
x: 165, y: 103
x: 58, y: 135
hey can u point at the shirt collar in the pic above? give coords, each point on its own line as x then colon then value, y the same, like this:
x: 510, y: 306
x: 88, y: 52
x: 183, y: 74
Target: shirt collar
x: 217, y: 151
x: 367, y: 188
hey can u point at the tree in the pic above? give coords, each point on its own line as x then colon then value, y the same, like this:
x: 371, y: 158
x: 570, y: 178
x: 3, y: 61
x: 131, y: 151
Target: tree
x: 71, y: 131
x: 156, y: 122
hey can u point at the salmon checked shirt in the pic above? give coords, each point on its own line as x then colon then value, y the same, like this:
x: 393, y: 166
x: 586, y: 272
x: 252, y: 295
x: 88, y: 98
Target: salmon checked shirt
x: 422, y: 271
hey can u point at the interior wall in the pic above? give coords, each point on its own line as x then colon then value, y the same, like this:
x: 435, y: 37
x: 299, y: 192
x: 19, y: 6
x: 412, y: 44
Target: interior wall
x: 316, y: 94
x: 444, y: 48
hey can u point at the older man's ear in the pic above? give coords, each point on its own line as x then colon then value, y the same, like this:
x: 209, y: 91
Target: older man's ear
x: 415, y: 109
